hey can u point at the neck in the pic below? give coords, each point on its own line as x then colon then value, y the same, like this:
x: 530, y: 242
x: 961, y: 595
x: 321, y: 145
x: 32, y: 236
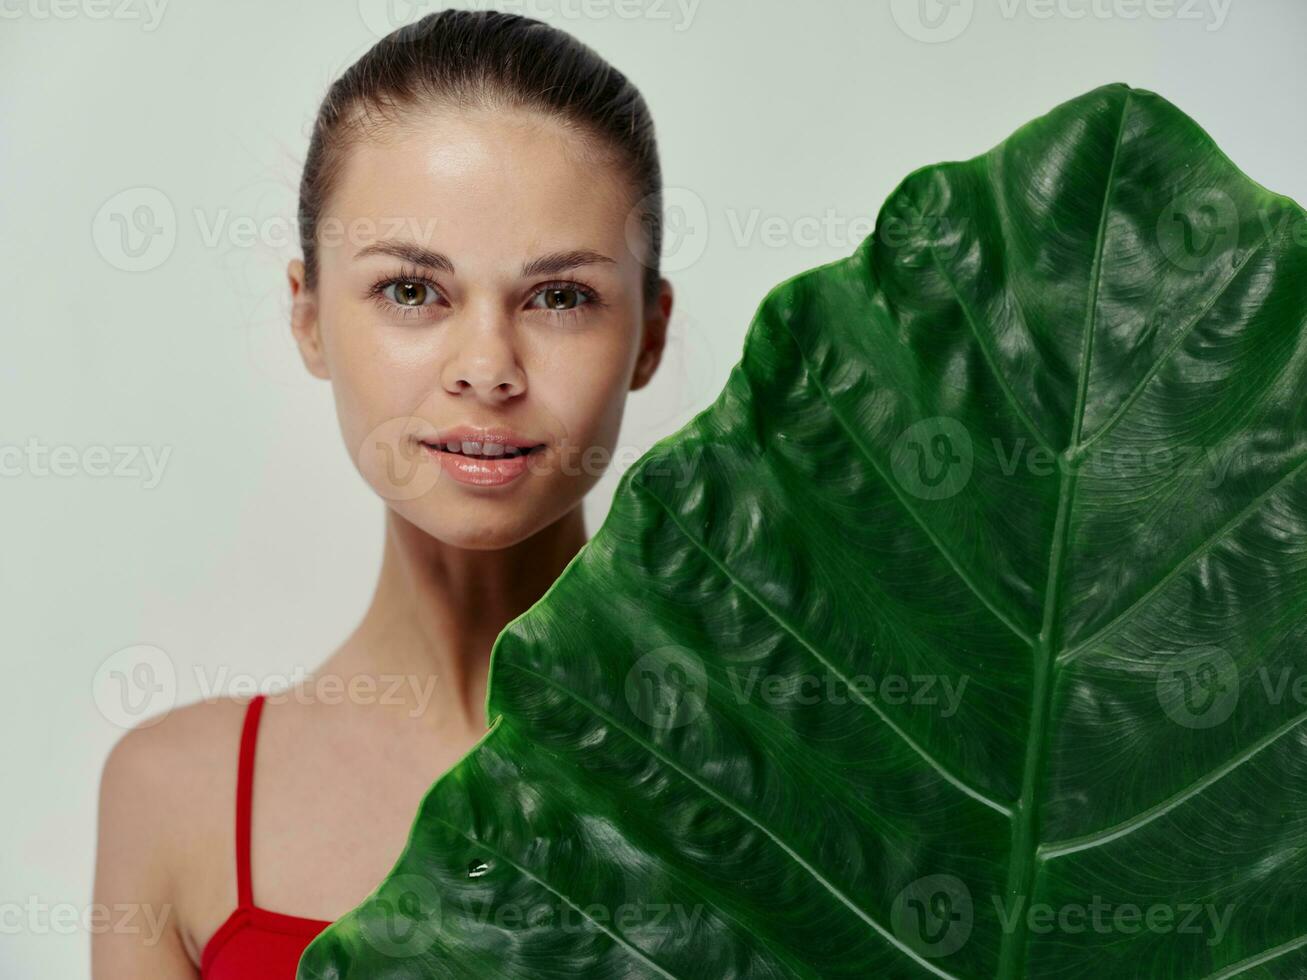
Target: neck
x: 437, y: 610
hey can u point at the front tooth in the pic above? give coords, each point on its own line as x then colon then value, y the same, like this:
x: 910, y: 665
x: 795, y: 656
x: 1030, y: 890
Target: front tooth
x: 453, y: 446
x: 492, y: 449
x: 471, y: 448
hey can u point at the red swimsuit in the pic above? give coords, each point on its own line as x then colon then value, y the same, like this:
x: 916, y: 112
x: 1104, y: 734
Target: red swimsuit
x: 254, y: 943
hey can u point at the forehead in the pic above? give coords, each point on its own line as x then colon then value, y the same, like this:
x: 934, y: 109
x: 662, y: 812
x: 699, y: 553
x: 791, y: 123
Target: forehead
x: 483, y: 183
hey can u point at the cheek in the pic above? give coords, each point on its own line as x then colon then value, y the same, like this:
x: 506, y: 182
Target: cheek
x: 378, y: 387
x: 376, y: 368
x: 583, y: 385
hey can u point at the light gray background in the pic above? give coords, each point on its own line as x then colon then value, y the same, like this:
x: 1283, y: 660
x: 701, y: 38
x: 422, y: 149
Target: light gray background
x: 783, y: 126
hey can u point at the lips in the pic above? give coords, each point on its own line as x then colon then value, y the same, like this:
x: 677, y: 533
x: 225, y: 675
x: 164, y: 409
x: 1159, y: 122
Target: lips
x: 475, y: 449
x: 477, y: 442
x: 482, y: 457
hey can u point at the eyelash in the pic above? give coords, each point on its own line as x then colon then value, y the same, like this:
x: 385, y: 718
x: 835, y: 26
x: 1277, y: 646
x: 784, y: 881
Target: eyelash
x: 378, y: 290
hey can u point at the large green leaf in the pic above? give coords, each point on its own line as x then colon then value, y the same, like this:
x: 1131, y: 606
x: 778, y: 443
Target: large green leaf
x: 962, y: 636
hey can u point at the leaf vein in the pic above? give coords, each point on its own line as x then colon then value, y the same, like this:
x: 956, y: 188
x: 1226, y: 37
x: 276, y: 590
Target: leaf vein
x: 617, y: 937
x: 749, y: 818
x: 1244, y: 965
x: 985, y: 352
x: 1125, y: 827
x: 921, y: 751
x: 1024, y: 865
x: 921, y: 523
x: 1165, y: 356
x: 1122, y: 618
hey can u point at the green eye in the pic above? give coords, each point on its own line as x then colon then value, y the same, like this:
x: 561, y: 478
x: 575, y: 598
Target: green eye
x: 563, y: 297
x: 409, y: 293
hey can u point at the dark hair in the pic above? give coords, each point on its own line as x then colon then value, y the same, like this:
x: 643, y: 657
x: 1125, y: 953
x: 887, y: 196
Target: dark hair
x: 486, y: 58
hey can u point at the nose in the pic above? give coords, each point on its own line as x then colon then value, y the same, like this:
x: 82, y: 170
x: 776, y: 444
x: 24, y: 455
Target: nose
x: 483, y: 360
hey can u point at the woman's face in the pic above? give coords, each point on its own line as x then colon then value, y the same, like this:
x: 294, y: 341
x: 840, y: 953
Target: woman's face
x: 475, y: 273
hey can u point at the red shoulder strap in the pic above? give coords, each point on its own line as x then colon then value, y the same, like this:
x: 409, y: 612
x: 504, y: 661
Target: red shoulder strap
x: 244, y: 792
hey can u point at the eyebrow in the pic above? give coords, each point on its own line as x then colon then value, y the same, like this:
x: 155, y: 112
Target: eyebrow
x: 545, y: 265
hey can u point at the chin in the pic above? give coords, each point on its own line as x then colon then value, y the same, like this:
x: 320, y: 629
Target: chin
x: 485, y: 531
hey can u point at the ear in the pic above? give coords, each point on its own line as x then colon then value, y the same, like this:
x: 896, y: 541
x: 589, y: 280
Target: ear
x: 304, y: 321
x: 654, y: 337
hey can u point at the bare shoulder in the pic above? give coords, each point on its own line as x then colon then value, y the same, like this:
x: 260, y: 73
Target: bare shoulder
x: 160, y: 770
x: 165, y: 836
x: 184, y: 729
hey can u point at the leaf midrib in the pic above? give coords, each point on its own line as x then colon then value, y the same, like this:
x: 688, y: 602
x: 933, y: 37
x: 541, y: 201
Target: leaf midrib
x: 1025, y: 831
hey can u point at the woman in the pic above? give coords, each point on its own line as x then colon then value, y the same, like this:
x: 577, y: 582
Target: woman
x: 480, y: 222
